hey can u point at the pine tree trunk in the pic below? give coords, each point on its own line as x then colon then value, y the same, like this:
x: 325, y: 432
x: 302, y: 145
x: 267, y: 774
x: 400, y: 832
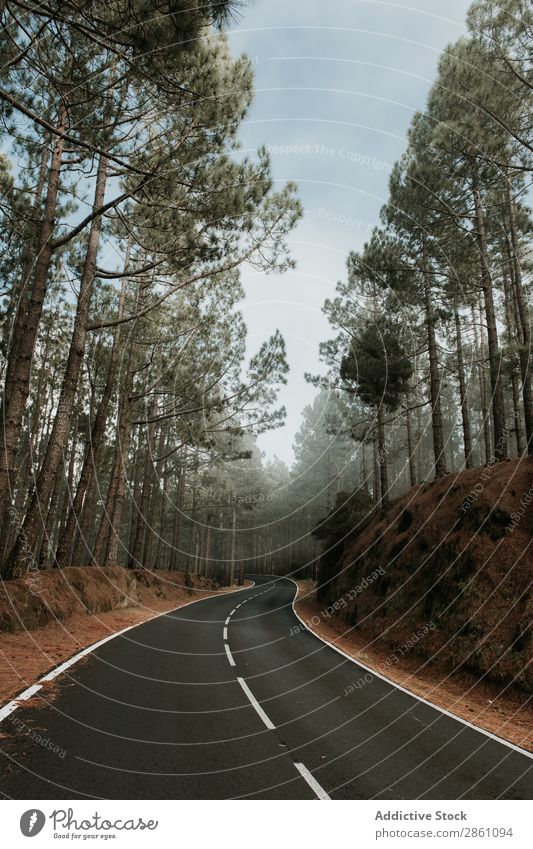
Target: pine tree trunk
x: 153, y: 503
x: 149, y: 527
x: 434, y: 387
x: 118, y: 490
x: 523, y: 313
x: 161, y: 551
x: 495, y: 357
x: 419, y: 438
x: 207, y: 551
x: 364, y: 470
x: 232, y: 554
x: 410, y: 446
x: 136, y: 487
x: 59, y: 435
x: 517, y: 418
x: 18, y: 299
x: 463, y: 395
x: 27, y: 451
x: 375, y: 459
x: 178, y: 515
x: 59, y: 501
x: 196, y: 567
x: 107, y: 541
x: 480, y: 357
x: 514, y: 366
x: 141, y: 526
x: 78, y: 516
x: 51, y: 520
x: 382, y: 457
x: 24, y: 337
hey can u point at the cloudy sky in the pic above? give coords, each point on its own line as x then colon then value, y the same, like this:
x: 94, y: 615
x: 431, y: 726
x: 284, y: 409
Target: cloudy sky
x: 336, y: 86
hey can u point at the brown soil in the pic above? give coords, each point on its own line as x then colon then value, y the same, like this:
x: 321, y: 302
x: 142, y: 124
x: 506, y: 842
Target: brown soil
x: 455, y: 561
x: 500, y: 710
x: 30, y: 651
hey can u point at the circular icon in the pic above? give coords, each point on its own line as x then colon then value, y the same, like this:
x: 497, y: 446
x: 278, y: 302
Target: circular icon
x: 32, y: 822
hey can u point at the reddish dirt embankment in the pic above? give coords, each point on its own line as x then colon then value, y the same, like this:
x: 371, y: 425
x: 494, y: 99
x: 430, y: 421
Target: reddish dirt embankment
x: 455, y: 564
x: 506, y: 713
x: 48, y: 616
x: 438, y: 587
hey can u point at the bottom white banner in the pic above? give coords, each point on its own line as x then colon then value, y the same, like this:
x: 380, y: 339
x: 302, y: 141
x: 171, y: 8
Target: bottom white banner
x: 252, y: 823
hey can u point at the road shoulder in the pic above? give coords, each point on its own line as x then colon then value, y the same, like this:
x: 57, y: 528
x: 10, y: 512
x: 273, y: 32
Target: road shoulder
x: 29, y: 654
x: 507, y: 715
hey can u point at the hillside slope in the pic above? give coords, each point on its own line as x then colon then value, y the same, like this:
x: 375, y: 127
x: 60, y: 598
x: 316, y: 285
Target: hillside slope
x: 48, y: 616
x: 455, y: 562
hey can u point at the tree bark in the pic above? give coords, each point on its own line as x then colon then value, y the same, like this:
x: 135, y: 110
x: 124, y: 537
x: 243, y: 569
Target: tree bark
x: 480, y: 357
x: 434, y: 386
x: 18, y: 299
x: 514, y: 362
x: 107, y: 540
x: 106, y: 545
x: 463, y: 394
x: 232, y: 553
x: 18, y: 373
x: 495, y: 356
x: 136, y: 479
x: 376, y: 470
x: 525, y: 328
x: 153, y: 503
x: 410, y: 446
x: 382, y: 457
x: 161, y: 551
x: 141, y: 527
x: 51, y: 519
x: 59, y: 435
x: 78, y: 516
x: 207, y: 550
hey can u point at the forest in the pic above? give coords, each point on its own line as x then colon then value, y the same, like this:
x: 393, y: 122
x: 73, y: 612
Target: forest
x: 433, y: 329
x: 131, y: 403
x: 127, y: 212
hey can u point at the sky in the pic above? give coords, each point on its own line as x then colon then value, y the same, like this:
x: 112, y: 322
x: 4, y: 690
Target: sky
x: 336, y: 86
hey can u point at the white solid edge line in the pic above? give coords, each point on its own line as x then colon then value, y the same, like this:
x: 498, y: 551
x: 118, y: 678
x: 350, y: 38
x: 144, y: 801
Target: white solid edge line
x: 6, y: 710
x: 229, y: 654
x: 225, y: 633
x: 311, y: 780
x: 255, y: 704
x: 13, y: 705
x: 404, y: 690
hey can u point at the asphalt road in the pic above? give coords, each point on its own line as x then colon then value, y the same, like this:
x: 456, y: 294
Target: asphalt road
x: 220, y: 700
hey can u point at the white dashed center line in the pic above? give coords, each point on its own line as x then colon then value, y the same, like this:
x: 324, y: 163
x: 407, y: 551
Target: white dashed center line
x: 255, y: 704
x: 229, y: 654
x: 227, y: 621
x: 312, y: 782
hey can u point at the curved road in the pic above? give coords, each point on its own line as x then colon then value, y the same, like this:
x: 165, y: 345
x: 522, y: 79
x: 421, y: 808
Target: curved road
x: 220, y: 700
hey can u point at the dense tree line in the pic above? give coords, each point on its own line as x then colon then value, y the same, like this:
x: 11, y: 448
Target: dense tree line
x: 129, y: 409
x: 127, y: 211
x: 429, y: 368
x: 433, y: 344
x: 251, y: 515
